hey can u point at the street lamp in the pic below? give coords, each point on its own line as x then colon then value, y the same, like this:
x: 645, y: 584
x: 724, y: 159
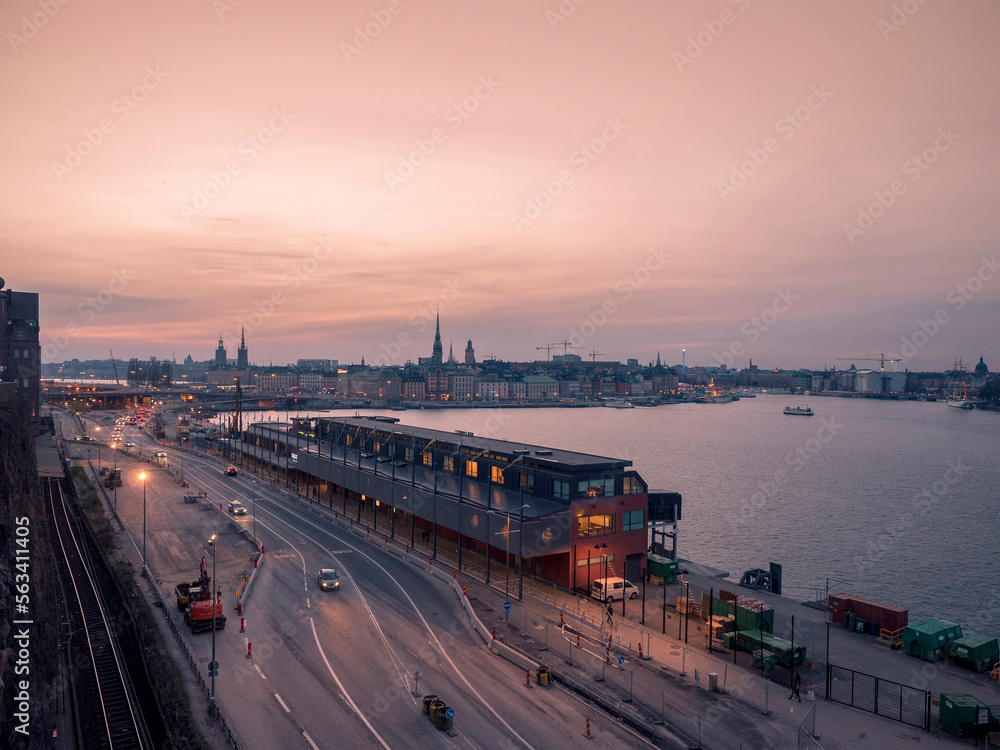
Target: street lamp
x: 253, y: 488
x: 98, y: 429
x: 213, y: 668
x: 142, y: 478
x: 602, y: 545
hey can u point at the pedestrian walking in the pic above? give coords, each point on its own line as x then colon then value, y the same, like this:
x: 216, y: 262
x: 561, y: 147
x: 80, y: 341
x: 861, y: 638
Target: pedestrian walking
x: 796, y: 682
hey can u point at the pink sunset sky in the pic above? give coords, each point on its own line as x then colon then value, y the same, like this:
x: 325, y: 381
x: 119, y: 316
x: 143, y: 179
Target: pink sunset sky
x: 789, y: 181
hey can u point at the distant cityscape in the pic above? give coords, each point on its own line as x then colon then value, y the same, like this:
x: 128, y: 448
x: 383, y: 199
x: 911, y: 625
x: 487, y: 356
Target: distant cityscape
x: 559, y: 377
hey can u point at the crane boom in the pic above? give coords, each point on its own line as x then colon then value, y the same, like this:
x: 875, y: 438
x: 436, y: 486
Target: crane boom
x: 113, y: 368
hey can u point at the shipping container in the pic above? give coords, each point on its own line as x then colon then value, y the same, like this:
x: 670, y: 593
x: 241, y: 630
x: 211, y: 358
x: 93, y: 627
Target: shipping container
x: 963, y: 714
x: 663, y: 568
x: 786, y: 654
x: 928, y: 639
x: 975, y: 651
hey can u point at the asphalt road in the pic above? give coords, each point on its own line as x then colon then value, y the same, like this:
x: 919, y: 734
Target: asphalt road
x: 335, y: 668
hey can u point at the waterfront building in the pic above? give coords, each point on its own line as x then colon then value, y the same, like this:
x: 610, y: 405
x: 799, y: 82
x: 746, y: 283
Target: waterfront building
x: 20, y: 348
x: 562, y: 516
x: 461, y: 386
x: 540, y: 387
x: 275, y: 380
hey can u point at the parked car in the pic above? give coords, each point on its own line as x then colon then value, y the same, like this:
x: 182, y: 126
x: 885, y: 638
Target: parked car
x: 612, y: 589
x: 328, y: 580
x: 237, y: 508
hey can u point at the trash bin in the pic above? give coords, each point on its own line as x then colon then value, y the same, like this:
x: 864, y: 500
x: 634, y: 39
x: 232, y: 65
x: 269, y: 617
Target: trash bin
x: 713, y: 682
x: 428, y: 699
x: 542, y: 673
x: 432, y: 710
x: 445, y: 718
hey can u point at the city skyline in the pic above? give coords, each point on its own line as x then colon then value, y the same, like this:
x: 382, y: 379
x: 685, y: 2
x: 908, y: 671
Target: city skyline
x: 788, y: 183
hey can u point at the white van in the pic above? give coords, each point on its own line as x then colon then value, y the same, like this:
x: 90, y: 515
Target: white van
x: 611, y: 589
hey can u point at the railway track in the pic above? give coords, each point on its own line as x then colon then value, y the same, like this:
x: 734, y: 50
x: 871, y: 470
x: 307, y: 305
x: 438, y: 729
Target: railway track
x: 105, y: 701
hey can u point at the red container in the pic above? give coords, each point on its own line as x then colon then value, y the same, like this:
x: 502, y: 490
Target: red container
x: 839, y: 600
x: 836, y: 614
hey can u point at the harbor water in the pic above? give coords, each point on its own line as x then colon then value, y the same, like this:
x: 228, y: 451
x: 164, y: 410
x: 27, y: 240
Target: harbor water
x: 897, y: 501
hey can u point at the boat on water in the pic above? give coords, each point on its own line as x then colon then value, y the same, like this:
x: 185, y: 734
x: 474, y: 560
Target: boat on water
x: 799, y: 411
x: 723, y: 399
x: 618, y: 403
x: 960, y: 402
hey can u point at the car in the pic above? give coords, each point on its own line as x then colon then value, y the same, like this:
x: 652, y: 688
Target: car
x: 328, y: 580
x: 130, y: 445
x: 611, y: 589
x: 237, y: 508
x: 232, y: 471
x: 160, y: 455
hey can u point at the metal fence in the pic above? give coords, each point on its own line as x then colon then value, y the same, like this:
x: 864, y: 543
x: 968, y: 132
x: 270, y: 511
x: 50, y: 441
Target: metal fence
x: 876, y: 695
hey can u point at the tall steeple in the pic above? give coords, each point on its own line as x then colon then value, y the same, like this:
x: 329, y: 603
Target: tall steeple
x: 437, y: 353
x: 242, y: 361
x: 451, y: 353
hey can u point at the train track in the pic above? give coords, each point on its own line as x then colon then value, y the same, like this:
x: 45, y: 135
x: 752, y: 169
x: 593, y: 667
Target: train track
x: 105, y: 702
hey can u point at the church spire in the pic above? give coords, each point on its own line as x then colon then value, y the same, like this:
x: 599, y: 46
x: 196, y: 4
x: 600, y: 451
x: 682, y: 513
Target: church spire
x: 437, y: 353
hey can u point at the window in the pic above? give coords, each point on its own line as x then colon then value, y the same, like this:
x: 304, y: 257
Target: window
x: 17, y: 354
x: 428, y: 458
x: 471, y: 468
x: 448, y: 463
x: 596, y: 487
x: 560, y: 489
x: 633, y: 520
x: 496, y: 474
x: 596, y: 525
x: 528, y: 482
x: 594, y: 559
x: 634, y: 486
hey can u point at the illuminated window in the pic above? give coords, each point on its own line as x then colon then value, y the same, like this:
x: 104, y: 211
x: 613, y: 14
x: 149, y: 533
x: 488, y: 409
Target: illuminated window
x: 634, y: 486
x: 633, y: 520
x: 596, y: 487
x: 596, y: 525
x: 448, y: 463
x: 560, y: 489
x: 496, y: 474
x: 428, y: 458
x: 528, y: 482
x: 471, y: 469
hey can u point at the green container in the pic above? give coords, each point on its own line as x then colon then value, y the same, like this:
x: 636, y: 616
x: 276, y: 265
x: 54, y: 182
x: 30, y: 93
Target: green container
x: 975, y: 651
x: 929, y: 639
x: 785, y: 654
x: 860, y: 625
x: 769, y: 660
x: 729, y: 640
x: 662, y: 567
x: 961, y: 714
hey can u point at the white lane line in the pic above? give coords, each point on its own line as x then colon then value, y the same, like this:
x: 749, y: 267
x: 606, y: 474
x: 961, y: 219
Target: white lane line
x: 427, y: 626
x: 259, y: 672
x: 309, y: 740
x: 347, y: 696
x: 287, y: 710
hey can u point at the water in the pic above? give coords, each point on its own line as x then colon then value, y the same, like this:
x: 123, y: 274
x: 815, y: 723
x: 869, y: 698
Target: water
x: 835, y: 496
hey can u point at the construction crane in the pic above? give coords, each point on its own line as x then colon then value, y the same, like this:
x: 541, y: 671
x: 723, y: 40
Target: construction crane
x: 552, y: 345
x: 881, y: 359
x: 594, y: 355
x: 114, y: 369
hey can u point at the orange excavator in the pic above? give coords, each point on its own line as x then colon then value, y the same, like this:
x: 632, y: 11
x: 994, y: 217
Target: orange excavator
x: 200, y: 608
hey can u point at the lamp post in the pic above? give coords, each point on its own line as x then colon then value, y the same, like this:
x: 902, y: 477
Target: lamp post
x: 604, y: 546
x: 98, y: 429
x: 506, y: 561
x: 213, y: 667
x: 253, y: 488
x: 115, y: 481
x: 142, y: 478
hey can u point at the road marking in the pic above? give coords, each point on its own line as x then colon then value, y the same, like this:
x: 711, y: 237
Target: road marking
x: 309, y: 739
x: 427, y: 626
x: 259, y: 672
x: 343, y: 690
x: 287, y: 710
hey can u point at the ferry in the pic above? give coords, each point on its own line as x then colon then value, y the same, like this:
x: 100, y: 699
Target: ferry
x: 799, y: 411
x: 618, y: 403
